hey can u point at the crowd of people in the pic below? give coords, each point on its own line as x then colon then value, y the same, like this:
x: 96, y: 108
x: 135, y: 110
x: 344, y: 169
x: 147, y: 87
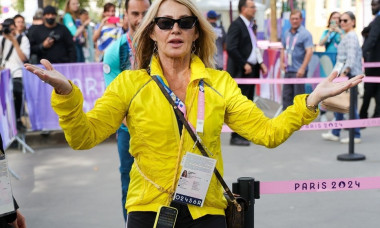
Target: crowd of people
x: 172, y: 41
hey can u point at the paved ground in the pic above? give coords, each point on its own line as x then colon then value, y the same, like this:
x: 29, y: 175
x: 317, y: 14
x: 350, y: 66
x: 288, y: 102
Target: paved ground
x: 60, y: 187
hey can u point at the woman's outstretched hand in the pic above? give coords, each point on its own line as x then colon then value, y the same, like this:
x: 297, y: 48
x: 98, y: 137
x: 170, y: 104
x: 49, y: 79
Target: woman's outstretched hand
x: 50, y: 76
x: 328, y: 88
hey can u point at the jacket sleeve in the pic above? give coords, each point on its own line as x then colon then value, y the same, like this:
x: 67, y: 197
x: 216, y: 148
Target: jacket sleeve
x: 351, y: 45
x: 233, y: 39
x: 85, y: 130
x: 372, y: 39
x: 246, y: 119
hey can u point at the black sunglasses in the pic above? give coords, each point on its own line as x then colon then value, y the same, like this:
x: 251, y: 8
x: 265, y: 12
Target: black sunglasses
x: 166, y: 23
x: 344, y: 20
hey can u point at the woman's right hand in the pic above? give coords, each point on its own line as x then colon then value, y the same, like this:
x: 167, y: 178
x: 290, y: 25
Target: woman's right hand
x: 50, y: 76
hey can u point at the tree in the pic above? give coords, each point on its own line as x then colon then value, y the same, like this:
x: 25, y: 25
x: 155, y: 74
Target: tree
x: 19, y: 6
x: 101, y: 3
x: 273, y: 21
x: 60, y: 4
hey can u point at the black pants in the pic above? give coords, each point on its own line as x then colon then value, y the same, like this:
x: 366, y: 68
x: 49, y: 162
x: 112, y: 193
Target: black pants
x: 146, y: 219
x: 17, y: 96
x: 248, y: 90
x: 370, y: 90
x: 289, y: 91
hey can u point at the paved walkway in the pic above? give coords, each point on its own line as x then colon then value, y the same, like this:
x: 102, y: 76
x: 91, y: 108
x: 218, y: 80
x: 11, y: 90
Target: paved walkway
x: 63, y: 188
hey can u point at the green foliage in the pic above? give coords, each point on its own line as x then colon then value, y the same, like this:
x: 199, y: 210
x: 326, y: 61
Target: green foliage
x: 19, y: 6
x: 101, y: 3
x: 60, y: 4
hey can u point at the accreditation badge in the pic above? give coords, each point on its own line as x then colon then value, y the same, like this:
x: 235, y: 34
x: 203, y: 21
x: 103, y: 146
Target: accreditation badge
x: 289, y: 57
x: 195, y: 179
x: 6, y: 198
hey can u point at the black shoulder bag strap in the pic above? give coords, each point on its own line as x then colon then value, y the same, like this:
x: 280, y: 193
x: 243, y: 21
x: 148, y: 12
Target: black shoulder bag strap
x: 11, y: 49
x: 197, y: 142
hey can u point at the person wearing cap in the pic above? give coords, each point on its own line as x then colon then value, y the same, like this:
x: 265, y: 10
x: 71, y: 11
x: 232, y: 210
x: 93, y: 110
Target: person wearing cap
x: 220, y: 42
x: 51, y: 40
x: 244, y: 57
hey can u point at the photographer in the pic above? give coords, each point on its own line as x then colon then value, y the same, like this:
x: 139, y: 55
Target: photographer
x: 332, y: 35
x: 52, y: 40
x: 14, y: 50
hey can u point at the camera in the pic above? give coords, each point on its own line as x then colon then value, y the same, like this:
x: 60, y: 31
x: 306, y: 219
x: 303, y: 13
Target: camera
x: 5, y: 30
x: 54, y: 36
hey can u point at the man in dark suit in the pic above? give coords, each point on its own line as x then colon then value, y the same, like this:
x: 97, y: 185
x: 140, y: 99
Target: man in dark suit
x: 371, y: 53
x: 244, y: 57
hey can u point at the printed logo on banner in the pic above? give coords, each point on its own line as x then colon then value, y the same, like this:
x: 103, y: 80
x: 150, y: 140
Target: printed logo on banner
x: 89, y: 79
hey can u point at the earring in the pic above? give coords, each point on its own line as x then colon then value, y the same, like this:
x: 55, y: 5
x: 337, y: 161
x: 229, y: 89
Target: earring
x: 155, y: 49
x: 193, y: 48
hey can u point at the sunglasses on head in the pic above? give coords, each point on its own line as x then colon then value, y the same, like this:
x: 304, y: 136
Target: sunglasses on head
x: 344, y: 20
x: 166, y: 23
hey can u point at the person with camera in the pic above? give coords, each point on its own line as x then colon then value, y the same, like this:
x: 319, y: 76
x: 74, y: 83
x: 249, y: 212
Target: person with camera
x: 51, y: 40
x: 107, y: 31
x: 330, y: 39
x: 14, y: 52
x: 332, y: 35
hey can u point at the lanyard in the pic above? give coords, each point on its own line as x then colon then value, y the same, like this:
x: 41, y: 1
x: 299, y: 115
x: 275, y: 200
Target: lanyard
x: 131, y: 51
x: 181, y: 106
x: 293, y: 43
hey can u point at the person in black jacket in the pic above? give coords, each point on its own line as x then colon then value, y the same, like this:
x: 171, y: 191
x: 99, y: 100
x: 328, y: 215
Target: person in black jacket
x: 371, y: 53
x: 15, y: 219
x: 51, y: 40
x: 244, y: 57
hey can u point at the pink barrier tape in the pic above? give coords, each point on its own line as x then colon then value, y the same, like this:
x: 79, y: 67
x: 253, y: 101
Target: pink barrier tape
x: 296, y: 80
x: 373, y: 122
x: 323, y: 185
x: 371, y: 64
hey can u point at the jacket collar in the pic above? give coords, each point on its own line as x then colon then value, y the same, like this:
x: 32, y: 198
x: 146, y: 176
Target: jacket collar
x: 198, y: 69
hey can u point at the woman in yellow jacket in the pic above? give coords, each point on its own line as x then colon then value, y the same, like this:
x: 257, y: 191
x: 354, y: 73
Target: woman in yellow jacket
x: 176, y: 43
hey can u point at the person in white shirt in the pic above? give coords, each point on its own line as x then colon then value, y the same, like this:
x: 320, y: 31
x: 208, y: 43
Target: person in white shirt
x: 14, y: 52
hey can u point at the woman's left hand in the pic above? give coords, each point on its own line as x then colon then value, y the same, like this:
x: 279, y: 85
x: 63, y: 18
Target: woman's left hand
x: 328, y: 88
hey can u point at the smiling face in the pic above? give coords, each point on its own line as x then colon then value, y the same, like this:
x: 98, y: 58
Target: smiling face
x: 175, y: 42
x: 346, y: 23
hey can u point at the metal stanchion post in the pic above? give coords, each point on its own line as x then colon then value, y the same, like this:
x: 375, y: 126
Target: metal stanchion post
x: 247, y: 188
x: 351, y: 156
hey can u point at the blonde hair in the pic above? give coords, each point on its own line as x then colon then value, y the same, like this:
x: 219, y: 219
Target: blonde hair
x: 204, y: 46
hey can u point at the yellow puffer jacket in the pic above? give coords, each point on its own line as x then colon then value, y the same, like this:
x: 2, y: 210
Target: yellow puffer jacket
x: 155, y: 140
